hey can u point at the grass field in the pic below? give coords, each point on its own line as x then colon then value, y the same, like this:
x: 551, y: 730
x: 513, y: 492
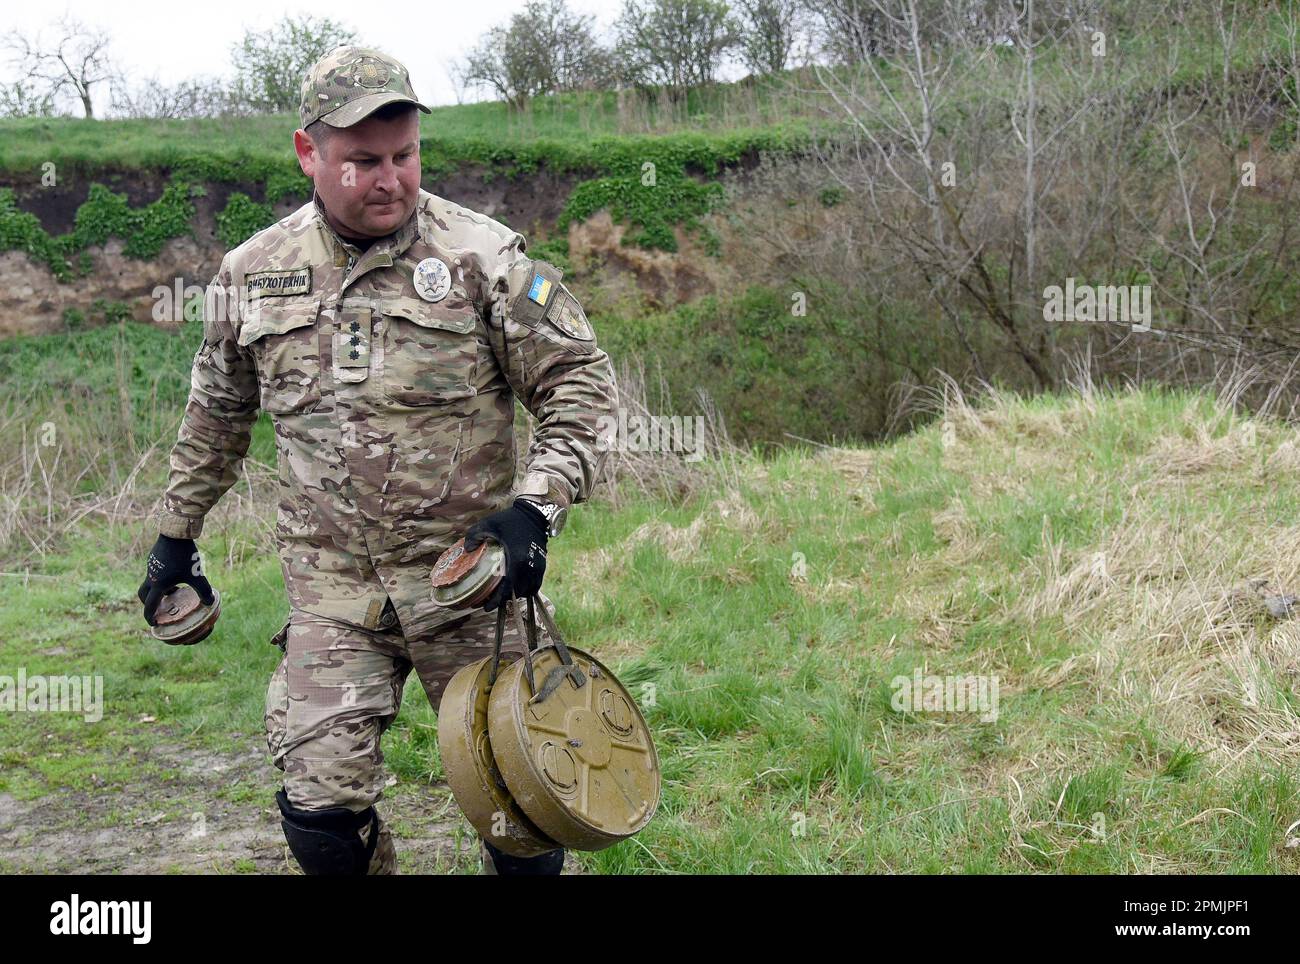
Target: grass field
x: 1094, y: 552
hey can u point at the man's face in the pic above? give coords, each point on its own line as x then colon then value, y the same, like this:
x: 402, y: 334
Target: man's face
x: 367, y: 175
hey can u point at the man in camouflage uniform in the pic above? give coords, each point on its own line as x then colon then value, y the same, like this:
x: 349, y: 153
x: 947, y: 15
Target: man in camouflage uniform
x: 388, y: 332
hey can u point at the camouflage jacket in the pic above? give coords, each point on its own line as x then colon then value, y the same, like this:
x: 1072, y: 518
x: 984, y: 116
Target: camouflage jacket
x: 393, y: 412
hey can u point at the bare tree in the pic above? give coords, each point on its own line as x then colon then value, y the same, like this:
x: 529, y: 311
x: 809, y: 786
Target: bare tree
x: 923, y: 134
x: 891, y: 106
x: 75, y: 61
x: 674, y: 43
x: 1214, y: 264
x: 546, y: 47
x: 982, y: 162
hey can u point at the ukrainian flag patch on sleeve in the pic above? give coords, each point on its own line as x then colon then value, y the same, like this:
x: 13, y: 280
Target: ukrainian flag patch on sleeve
x: 540, y: 290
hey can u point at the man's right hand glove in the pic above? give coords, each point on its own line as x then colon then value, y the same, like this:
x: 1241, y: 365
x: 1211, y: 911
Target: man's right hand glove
x: 172, y: 562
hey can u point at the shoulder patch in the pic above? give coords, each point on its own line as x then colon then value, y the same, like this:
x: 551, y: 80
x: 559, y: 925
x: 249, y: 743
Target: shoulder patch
x: 542, y: 303
x: 537, y: 296
x: 571, y: 319
x: 289, y: 281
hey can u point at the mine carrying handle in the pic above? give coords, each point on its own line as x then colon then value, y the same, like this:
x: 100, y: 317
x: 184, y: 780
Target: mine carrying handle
x: 567, y: 668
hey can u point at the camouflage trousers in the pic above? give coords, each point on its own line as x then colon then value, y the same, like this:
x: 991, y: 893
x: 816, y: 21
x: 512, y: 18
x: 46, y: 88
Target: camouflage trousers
x: 339, y: 688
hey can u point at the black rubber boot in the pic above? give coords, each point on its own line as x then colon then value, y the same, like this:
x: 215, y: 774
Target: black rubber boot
x: 329, y: 842
x: 504, y: 865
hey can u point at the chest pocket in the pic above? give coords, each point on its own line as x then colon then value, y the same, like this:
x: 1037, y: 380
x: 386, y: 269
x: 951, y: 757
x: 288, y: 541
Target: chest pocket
x: 283, y: 338
x: 430, y: 351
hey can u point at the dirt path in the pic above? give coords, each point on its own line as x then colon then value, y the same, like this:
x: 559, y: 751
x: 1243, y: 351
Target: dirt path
x: 155, y: 825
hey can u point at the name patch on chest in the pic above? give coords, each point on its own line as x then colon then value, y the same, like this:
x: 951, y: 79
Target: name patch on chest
x: 290, y: 281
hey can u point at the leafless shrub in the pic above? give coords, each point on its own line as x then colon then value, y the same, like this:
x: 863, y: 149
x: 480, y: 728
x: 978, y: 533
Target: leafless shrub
x: 81, y: 461
x: 659, y: 472
x: 967, y: 171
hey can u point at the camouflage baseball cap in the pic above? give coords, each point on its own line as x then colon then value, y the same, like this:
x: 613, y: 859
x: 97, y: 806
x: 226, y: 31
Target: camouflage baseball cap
x: 349, y: 84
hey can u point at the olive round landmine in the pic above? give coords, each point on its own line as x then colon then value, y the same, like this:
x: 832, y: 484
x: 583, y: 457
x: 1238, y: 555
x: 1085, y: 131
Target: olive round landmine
x: 580, y: 763
x: 182, y: 619
x: 472, y: 773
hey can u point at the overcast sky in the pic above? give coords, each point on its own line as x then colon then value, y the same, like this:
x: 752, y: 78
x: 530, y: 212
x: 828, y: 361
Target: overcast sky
x: 176, y: 40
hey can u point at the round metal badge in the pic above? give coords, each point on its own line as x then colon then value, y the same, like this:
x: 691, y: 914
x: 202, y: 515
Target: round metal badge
x: 580, y: 762
x: 432, y: 279
x: 472, y: 774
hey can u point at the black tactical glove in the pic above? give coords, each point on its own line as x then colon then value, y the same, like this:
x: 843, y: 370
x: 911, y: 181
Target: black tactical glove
x: 521, y: 530
x: 172, y: 562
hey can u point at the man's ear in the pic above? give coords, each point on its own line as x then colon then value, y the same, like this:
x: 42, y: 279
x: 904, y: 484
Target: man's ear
x: 308, y: 153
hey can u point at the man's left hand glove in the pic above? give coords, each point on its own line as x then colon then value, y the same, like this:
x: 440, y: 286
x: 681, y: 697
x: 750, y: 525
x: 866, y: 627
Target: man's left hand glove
x: 521, y: 531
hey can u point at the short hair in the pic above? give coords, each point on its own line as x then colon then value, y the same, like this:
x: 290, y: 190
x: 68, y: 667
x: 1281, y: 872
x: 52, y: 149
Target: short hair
x: 320, y: 132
